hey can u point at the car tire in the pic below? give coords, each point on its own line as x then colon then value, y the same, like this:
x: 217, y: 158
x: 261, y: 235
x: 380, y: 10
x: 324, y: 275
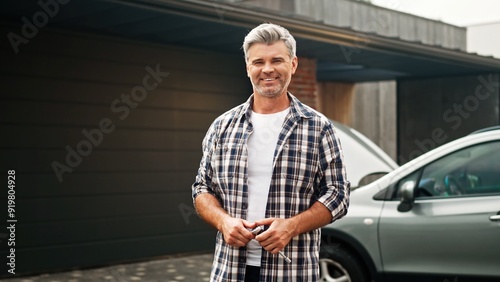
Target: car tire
x: 336, y: 263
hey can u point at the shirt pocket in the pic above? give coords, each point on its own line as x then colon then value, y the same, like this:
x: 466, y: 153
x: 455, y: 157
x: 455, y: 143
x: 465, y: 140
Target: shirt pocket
x: 300, y: 163
x: 293, y: 190
x: 228, y: 165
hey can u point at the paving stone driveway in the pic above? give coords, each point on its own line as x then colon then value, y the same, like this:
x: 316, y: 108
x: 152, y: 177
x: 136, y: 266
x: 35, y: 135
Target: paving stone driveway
x: 194, y: 268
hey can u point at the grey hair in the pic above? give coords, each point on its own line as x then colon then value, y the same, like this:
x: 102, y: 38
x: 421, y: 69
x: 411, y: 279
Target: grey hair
x: 269, y: 33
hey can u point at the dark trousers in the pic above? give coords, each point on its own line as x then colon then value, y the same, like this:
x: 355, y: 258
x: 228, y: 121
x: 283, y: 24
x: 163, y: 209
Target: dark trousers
x: 252, y: 273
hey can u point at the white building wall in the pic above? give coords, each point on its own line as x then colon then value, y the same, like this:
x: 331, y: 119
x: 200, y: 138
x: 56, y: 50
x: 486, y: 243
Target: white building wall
x: 484, y: 39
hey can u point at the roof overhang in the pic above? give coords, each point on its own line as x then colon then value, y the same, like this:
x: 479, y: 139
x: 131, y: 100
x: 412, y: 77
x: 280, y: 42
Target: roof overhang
x: 342, y: 54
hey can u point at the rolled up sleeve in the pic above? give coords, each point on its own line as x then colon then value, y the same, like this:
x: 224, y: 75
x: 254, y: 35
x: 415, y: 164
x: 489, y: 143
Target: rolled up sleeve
x: 203, y: 181
x: 334, y: 188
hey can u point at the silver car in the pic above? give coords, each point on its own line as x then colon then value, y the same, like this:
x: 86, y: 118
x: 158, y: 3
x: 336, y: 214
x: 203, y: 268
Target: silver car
x: 436, y: 216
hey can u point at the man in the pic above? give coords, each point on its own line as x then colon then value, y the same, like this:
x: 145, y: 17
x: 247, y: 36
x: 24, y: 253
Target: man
x: 270, y: 162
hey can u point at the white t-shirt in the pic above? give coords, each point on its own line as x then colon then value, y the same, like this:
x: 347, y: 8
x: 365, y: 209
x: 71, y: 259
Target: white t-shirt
x: 261, y: 146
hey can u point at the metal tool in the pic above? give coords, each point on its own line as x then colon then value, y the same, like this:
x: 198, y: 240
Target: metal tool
x: 257, y: 230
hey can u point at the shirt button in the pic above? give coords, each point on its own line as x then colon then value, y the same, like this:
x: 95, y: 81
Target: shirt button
x: 242, y: 260
x: 244, y: 206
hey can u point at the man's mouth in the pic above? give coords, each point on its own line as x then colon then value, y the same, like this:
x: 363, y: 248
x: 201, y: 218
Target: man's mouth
x: 269, y: 79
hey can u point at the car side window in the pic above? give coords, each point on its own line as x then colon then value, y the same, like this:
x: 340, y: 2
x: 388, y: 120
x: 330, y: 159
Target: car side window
x: 471, y: 171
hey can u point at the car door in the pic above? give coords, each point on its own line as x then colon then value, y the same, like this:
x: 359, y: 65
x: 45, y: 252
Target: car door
x: 453, y: 226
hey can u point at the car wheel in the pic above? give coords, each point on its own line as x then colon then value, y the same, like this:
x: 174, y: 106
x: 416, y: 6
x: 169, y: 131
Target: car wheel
x: 336, y: 264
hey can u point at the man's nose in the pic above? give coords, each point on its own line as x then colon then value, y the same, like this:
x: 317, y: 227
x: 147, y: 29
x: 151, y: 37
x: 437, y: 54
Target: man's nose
x: 268, y: 67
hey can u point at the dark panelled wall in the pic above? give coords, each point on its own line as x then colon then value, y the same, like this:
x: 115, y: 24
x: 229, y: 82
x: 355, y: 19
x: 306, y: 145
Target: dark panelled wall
x: 122, y: 122
x: 434, y: 111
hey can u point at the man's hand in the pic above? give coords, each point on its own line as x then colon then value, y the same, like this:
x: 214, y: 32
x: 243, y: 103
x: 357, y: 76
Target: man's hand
x: 236, y: 231
x: 281, y: 231
x: 278, y: 235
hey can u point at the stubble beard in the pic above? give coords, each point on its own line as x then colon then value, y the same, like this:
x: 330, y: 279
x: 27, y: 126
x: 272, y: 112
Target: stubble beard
x: 272, y: 92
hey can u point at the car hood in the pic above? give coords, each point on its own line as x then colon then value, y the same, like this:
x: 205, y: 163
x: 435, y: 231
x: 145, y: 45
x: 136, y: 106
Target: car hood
x: 362, y: 157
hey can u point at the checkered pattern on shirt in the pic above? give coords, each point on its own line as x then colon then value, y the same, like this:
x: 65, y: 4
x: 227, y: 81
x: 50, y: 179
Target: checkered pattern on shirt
x: 307, y: 167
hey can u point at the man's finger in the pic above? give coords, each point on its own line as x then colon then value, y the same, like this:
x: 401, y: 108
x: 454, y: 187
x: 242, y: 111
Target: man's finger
x: 265, y: 221
x: 249, y: 225
x: 239, y: 241
x: 262, y: 237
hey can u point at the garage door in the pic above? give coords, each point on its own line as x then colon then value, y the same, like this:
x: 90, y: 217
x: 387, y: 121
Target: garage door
x: 104, y: 138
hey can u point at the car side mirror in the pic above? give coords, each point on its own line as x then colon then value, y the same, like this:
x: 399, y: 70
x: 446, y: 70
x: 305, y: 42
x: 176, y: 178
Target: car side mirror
x: 407, y: 196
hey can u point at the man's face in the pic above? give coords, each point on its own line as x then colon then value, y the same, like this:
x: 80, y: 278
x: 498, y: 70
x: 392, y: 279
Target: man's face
x: 270, y: 68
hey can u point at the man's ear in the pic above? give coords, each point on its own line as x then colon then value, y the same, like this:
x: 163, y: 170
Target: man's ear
x: 295, y: 64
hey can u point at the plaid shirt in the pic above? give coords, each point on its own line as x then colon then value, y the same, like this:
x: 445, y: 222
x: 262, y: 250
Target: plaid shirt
x: 307, y: 167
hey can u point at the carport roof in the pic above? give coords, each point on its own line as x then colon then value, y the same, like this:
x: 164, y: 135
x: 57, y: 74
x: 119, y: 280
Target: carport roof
x: 342, y: 54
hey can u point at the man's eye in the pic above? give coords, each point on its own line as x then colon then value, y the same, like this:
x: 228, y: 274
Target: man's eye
x: 258, y: 63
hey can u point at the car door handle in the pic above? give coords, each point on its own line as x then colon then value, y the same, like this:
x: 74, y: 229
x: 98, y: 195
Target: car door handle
x: 495, y: 217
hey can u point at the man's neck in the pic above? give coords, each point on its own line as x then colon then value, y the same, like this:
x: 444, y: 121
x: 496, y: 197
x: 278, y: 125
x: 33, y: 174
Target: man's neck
x: 266, y: 105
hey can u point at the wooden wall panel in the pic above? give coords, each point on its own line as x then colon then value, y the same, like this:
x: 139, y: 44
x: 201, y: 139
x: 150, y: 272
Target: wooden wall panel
x: 336, y: 100
x: 369, y: 108
x: 374, y: 114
